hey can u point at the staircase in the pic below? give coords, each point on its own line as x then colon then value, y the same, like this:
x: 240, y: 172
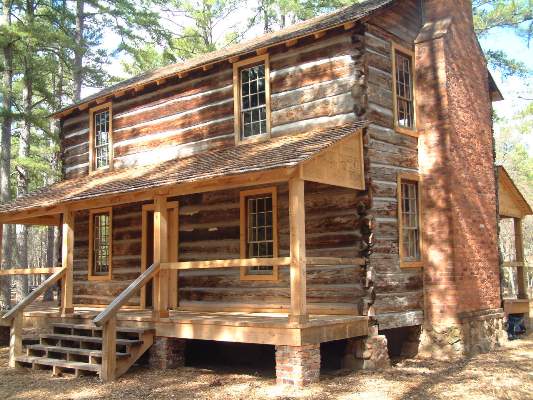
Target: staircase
x: 78, y: 349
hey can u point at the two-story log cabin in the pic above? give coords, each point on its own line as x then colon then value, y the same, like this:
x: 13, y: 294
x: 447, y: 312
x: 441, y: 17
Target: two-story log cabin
x: 330, y: 181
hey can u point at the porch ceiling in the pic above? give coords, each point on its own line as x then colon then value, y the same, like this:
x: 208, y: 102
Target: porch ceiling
x: 277, y: 157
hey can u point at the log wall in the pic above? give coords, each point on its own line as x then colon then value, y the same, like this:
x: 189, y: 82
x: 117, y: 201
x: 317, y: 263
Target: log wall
x: 310, y: 87
x: 399, y: 292
x: 342, y: 77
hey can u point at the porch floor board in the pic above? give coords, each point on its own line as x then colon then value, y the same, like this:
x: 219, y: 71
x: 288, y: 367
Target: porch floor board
x: 245, y: 327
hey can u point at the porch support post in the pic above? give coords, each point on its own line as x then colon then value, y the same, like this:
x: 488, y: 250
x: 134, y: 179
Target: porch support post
x: 520, y: 269
x: 161, y: 280
x: 68, y: 263
x: 298, y: 311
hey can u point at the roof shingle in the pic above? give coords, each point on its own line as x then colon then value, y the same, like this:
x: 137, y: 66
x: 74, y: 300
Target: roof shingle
x: 336, y: 18
x: 280, y: 152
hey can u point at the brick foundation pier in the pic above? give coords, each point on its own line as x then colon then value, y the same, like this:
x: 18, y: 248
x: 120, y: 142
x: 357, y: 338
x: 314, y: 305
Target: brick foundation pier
x: 297, y: 365
x: 167, y: 353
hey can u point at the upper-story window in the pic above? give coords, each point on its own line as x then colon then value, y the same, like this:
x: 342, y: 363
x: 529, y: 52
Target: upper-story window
x: 404, y: 107
x: 409, y: 220
x: 252, y: 98
x: 101, y: 148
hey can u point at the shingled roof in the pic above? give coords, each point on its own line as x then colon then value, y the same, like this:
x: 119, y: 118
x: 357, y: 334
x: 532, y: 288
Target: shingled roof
x: 281, y: 152
x: 323, y: 22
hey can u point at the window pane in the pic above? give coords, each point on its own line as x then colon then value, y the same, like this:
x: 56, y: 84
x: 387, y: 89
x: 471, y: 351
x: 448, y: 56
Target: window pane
x: 101, y: 244
x: 253, y: 101
x: 410, y: 221
x: 404, y: 91
x: 261, y: 240
x: 101, y: 139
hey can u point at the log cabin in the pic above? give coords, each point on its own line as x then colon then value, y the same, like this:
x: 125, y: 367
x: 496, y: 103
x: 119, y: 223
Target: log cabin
x: 333, y: 181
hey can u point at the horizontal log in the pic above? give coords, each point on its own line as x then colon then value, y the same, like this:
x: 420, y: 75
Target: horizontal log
x: 29, y: 271
x: 334, y: 261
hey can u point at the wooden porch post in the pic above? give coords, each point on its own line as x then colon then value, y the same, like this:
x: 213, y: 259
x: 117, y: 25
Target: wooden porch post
x: 161, y: 280
x: 520, y: 269
x: 298, y: 311
x: 68, y: 263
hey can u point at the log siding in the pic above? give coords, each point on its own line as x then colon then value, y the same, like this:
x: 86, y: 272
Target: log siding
x: 343, y: 76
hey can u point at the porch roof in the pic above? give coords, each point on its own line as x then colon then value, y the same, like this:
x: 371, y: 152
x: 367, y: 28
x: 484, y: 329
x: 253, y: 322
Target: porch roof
x: 276, y: 153
x: 512, y: 203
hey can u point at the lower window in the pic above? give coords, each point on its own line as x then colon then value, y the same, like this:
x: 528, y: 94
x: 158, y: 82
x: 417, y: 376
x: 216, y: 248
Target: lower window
x: 409, y: 221
x: 259, y: 231
x: 100, y: 246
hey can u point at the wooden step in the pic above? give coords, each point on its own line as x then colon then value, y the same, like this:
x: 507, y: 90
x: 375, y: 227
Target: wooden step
x: 52, y: 362
x: 98, y: 328
x: 88, y: 339
x: 72, y: 350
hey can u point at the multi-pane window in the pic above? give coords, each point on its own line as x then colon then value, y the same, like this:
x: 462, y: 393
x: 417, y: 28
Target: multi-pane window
x: 410, y: 221
x: 101, y: 139
x: 101, y: 243
x: 260, y: 235
x: 253, y: 101
x: 405, y: 115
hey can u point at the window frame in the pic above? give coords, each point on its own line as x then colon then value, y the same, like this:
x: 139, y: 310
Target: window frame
x: 244, y: 194
x: 92, y: 138
x: 410, y: 53
x: 91, y: 275
x: 413, y: 178
x: 237, y: 66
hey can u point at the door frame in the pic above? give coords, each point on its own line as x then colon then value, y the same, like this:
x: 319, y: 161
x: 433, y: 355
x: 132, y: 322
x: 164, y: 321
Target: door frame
x: 173, y: 232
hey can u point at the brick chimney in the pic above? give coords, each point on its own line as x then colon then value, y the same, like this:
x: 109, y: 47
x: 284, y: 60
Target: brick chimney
x: 456, y: 158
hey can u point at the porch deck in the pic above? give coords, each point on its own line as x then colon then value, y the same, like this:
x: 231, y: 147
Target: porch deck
x: 243, y: 327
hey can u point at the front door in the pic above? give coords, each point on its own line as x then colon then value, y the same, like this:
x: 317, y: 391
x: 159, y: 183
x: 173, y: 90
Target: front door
x: 147, y: 251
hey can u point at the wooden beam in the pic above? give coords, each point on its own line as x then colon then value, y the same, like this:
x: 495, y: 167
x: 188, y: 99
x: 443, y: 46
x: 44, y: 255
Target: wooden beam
x: 15, y: 339
x: 291, y: 43
x: 68, y: 263
x: 234, y: 59
x: 298, y: 274
x: 207, y: 67
x: 262, y: 51
x: 109, y: 348
x: 173, y: 256
x: 349, y: 25
x: 183, y: 74
x: 521, y: 272
x: 29, y: 271
x: 319, y: 35
x: 237, y: 262
x: 160, y: 286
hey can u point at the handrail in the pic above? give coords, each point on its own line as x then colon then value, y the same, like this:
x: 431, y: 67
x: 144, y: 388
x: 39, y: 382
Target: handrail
x: 126, y: 294
x: 258, y: 262
x: 29, y: 271
x: 34, y: 294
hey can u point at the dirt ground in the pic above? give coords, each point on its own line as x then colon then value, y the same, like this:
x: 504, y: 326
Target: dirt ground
x: 503, y: 374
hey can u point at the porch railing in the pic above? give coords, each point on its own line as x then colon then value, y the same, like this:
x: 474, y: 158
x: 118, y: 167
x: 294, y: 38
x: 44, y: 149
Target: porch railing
x: 14, y: 316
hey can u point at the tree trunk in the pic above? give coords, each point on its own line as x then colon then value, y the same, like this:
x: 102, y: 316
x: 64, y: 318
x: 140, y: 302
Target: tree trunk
x: 21, y: 281
x: 5, y: 151
x: 79, y: 51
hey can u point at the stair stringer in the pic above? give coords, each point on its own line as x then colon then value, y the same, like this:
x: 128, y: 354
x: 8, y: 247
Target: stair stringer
x: 123, y: 365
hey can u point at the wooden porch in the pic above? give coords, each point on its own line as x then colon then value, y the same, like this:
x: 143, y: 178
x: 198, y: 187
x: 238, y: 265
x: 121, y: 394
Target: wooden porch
x: 291, y: 324
x: 242, y: 327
